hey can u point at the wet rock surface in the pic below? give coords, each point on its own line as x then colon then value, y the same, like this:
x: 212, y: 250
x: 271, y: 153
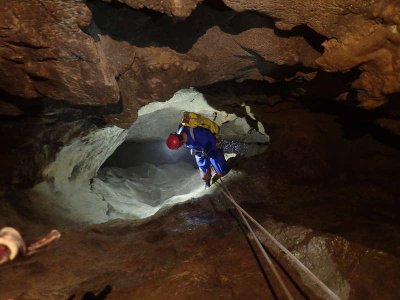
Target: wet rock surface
x: 177, y: 8
x: 169, y: 257
x: 339, y: 219
x: 354, y: 38
x: 108, y: 59
x: 44, y: 53
x: 327, y: 186
x: 303, y: 181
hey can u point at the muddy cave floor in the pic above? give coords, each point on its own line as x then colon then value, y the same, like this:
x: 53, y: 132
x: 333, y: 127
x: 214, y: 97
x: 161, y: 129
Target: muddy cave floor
x: 336, y: 198
x: 197, y: 250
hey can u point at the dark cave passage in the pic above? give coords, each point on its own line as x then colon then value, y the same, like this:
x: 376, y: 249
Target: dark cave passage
x: 154, y: 175
x: 131, y: 174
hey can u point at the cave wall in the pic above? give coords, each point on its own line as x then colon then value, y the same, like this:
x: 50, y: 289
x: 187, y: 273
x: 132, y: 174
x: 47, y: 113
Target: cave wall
x: 322, y: 76
x: 75, y: 66
x: 338, y: 179
x: 325, y: 187
x: 326, y: 183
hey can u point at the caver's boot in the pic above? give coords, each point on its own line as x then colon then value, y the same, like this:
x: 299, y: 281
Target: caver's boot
x: 206, y: 176
x: 207, y: 184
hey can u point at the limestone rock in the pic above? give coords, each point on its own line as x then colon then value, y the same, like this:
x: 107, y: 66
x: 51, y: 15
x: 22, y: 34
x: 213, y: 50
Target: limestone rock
x: 377, y: 55
x: 146, y: 75
x: 155, y: 73
x: 45, y: 53
x: 360, y: 35
x: 176, y: 8
x: 115, y: 58
x: 252, y: 54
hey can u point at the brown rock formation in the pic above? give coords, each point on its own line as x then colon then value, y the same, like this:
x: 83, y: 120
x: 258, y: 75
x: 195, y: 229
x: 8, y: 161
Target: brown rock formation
x: 340, y: 218
x: 182, y: 270
x: 30, y: 144
x: 54, y: 58
x: 253, y: 54
x: 145, y: 75
x: 176, y: 8
x: 70, y: 67
x: 156, y: 73
x: 116, y: 59
x: 361, y: 34
x: 44, y: 53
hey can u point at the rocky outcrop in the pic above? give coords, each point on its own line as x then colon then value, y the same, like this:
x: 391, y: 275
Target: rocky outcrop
x: 176, y: 8
x: 56, y: 59
x: 148, y: 74
x: 253, y: 54
x: 30, y: 144
x: 154, y: 74
x: 51, y: 56
x: 328, y: 173
x: 107, y: 59
x: 359, y: 34
x: 145, y: 75
x: 45, y: 53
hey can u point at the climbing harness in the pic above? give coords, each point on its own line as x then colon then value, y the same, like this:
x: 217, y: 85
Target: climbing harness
x: 200, y: 153
x: 244, y: 216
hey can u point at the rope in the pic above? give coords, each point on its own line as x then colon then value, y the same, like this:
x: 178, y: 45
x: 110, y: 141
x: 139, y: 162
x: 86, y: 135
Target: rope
x: 283, y: 285
x: 265, y: 254
x: 291, y: 257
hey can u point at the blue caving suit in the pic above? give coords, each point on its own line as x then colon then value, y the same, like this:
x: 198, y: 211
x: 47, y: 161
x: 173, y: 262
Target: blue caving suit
x: 202, y: 139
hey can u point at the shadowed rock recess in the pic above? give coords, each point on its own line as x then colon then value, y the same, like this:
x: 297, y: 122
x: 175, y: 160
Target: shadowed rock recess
x: 307, y: 94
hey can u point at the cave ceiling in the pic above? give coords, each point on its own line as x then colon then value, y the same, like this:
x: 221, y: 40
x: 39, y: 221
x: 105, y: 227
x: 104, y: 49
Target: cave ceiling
x: 106, y: 59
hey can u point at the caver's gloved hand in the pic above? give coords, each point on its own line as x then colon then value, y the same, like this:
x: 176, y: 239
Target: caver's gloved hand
x: 200, y: 153
x: 203, y: 154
